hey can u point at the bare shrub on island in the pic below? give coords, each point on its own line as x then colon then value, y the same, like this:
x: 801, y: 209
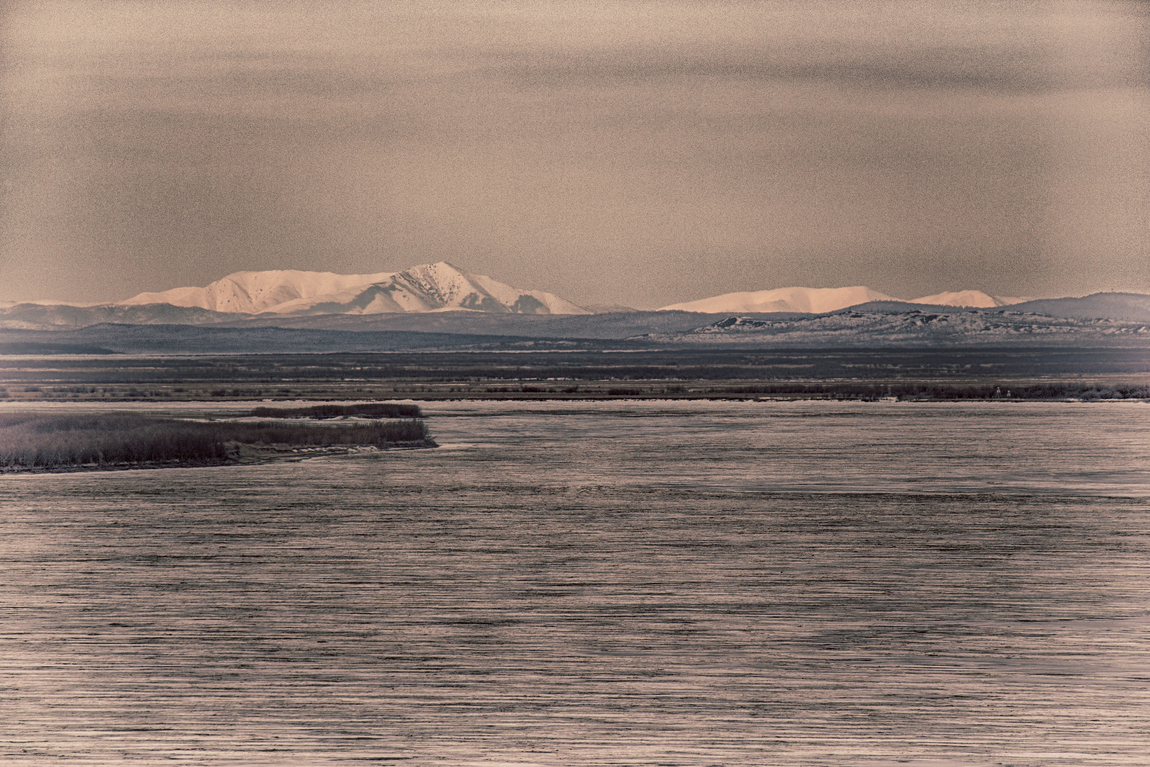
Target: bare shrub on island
x: 58, y: 442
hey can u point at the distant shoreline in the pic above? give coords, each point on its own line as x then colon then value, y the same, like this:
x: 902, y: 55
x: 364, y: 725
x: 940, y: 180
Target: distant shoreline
x: 843, y: 374
x: 608, y: 391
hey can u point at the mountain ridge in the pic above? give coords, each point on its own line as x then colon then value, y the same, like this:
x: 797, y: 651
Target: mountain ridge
x: 249, y: 292
x: 422, y: 288
x: 427, y: 294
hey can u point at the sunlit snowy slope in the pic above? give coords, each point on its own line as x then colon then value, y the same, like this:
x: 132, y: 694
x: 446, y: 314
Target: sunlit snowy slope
x: 440, y: 305
x: 805, y: 300
x: 425, y: 288
x: 822, y: 300
x: 969, y: 298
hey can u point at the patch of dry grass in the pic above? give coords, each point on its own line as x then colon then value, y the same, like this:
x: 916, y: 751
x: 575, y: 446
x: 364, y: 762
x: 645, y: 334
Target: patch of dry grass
x: 367, y: 410
x: 60, y: 442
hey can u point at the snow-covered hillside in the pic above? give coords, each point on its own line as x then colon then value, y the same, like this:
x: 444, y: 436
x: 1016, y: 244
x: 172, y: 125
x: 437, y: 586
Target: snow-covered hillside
x: 255, y: 292
x: 425, y: 288
x: 804, y: 300
x: 444, y: 299
x: 823, y: 300
x: 975, y: 299
x: 436, y: 287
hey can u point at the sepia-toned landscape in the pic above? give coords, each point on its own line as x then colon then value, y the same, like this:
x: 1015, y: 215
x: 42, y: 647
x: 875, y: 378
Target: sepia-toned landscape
x: 539, y: 383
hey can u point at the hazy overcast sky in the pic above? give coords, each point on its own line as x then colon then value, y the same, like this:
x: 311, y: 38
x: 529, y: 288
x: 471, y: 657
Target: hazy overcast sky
x: 611, y: 152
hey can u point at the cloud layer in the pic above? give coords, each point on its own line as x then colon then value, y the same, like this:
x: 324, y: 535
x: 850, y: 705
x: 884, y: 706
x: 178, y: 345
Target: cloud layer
x: 608, y: 152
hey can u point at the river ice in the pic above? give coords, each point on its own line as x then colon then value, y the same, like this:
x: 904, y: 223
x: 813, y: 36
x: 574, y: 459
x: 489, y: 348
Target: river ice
x: 654, y: 583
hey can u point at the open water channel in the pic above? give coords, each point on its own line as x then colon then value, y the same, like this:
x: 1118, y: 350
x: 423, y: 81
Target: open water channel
x: 639, y: 583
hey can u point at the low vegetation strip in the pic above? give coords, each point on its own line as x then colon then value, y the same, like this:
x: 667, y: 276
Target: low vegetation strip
x: 368, y: 410
x: 48, y: 443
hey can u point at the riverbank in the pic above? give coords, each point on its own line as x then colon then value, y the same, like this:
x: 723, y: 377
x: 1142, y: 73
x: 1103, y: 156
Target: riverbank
x: 87, y: 442
x: 849, y: 374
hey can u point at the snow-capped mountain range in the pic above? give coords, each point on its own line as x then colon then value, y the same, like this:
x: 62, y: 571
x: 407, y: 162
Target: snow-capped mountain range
x: 443, y: 298
x: 425, y: 288
x: 444, y: 287
x: 823, y: 300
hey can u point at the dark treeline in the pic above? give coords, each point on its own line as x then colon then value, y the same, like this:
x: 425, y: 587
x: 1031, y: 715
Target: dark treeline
x: 369, y: 410
x: 72, y: 441
x: 945, y: 391
x: 842, y: 390
x: 766, y: 365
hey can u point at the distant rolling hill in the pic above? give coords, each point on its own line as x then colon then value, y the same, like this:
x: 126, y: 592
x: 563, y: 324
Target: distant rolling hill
x: 867, y: 326
x: 442, y: 306
x: 974, y: 299
x: 823, y: 300
x: 1116, y: 306
x: 1102, y: 319
x: 63, y: 316
x: 804, y: 300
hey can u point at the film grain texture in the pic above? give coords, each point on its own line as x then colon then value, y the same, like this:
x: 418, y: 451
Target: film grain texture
x: 643, y: 583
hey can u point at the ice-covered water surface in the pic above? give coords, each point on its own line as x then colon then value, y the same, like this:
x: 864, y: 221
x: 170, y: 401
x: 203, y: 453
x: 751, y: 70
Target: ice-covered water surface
x: 601, y: 583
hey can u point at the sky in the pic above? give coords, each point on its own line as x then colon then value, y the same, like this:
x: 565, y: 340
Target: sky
x: 636, y: 152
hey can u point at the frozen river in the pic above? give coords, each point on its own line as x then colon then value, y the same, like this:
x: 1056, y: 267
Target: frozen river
x: 606, y: 583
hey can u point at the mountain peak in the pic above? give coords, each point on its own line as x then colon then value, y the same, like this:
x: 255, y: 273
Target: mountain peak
x: 441, y: 280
